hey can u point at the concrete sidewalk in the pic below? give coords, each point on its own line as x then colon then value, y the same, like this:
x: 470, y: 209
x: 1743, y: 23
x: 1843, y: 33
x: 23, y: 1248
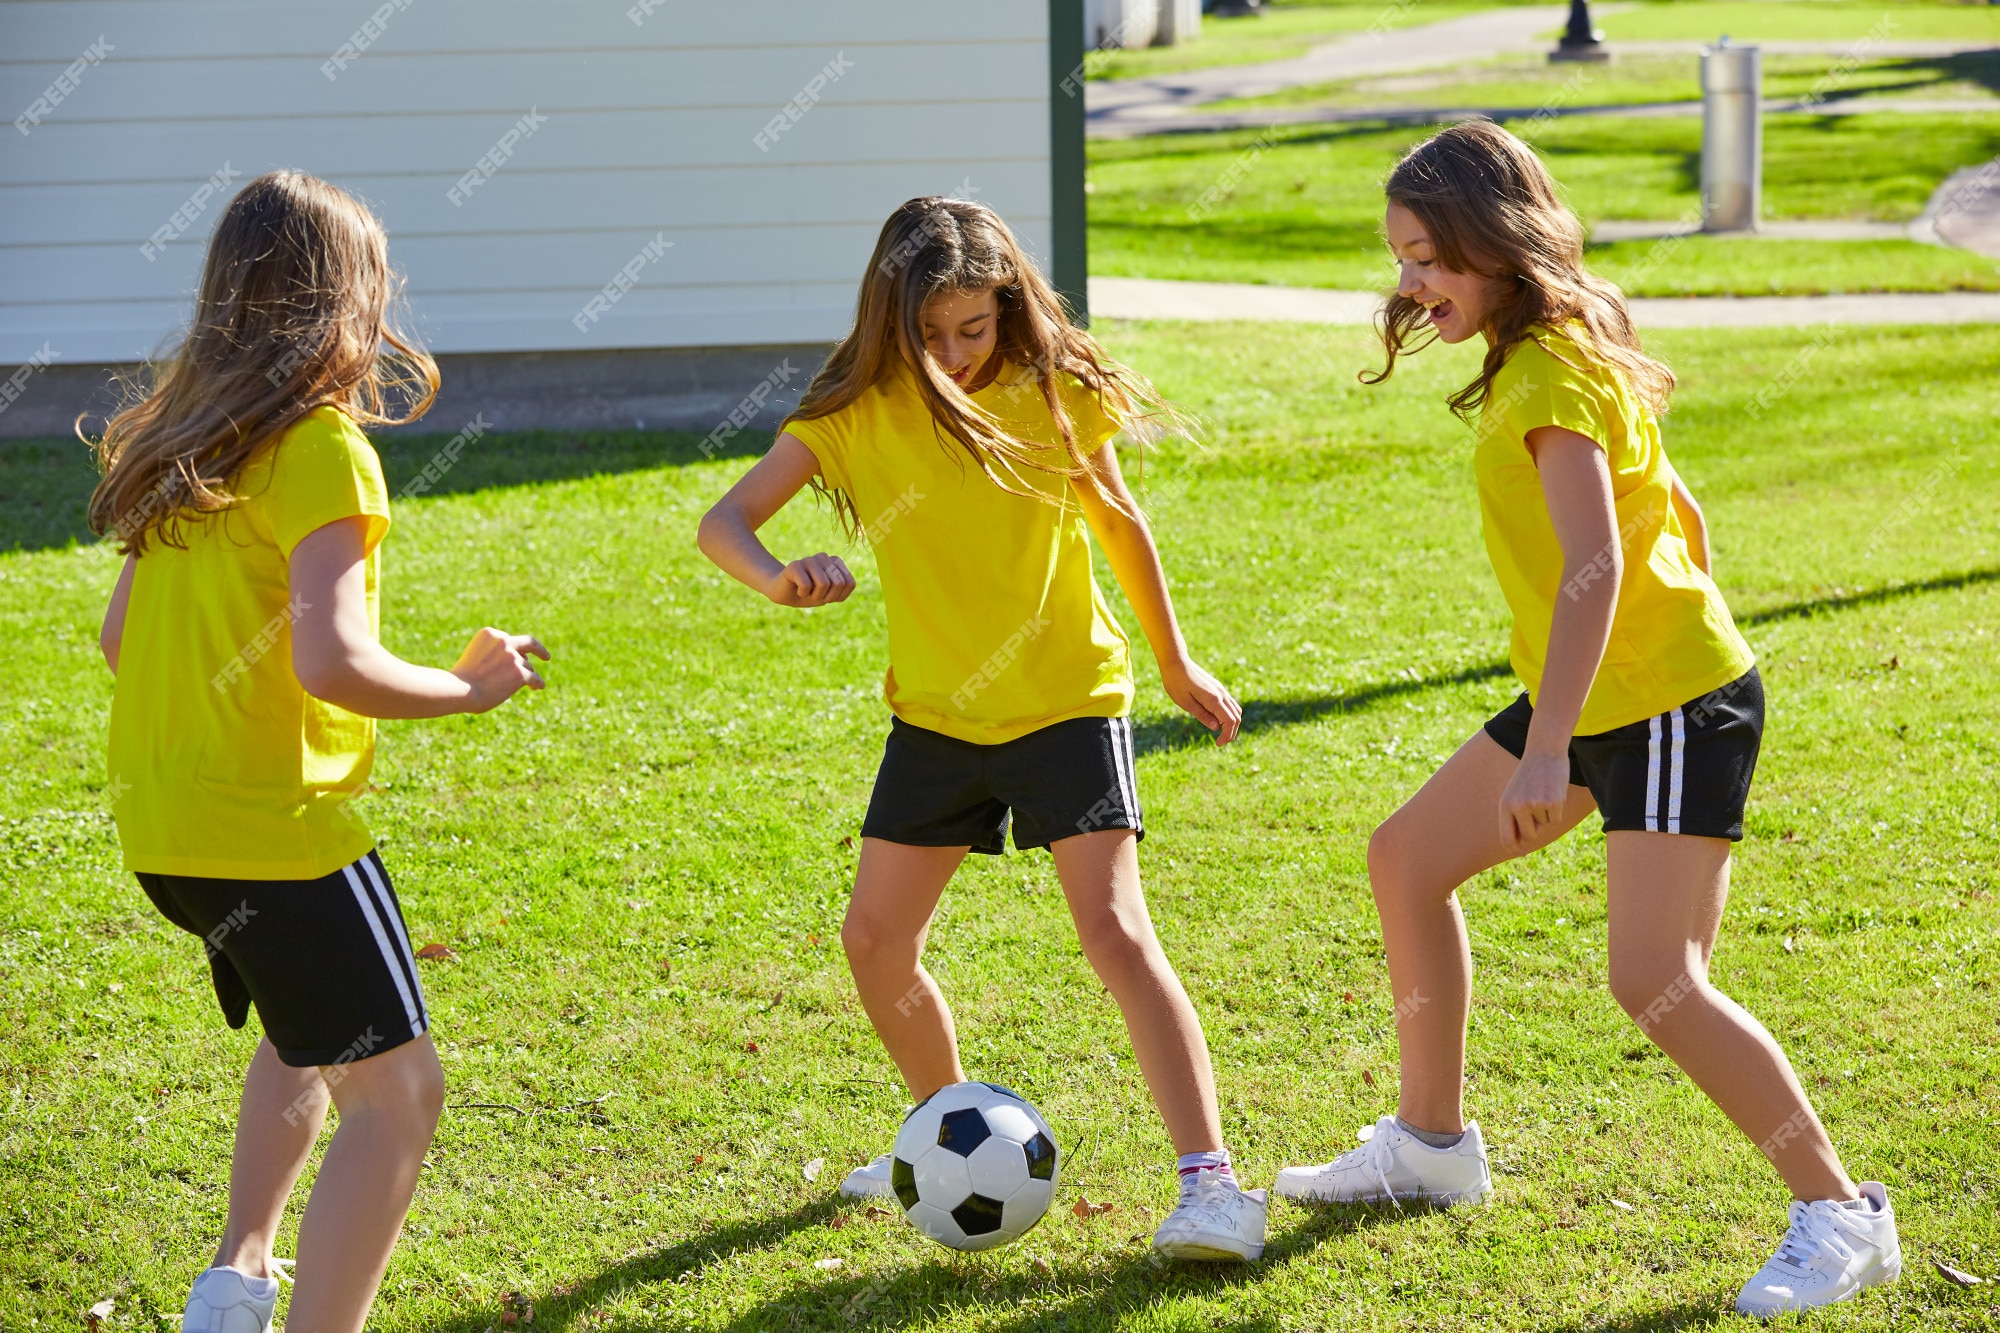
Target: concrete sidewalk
x: 1200, y: 122
x: 1151, y: 298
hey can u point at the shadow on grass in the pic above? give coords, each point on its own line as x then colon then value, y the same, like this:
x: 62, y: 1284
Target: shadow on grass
x: 1178, y: 732
x: 1091, y: 1294
x: 1713, y: 1312
x: 45, y: 484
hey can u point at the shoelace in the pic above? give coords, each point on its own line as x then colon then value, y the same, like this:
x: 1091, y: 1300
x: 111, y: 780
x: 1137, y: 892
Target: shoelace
x: 1202, y: 1192
x: 1377, y: 1154
x: 1815, y: 1231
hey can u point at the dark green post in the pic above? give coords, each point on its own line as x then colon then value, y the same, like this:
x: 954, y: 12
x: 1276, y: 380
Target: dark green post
x: 1070, y: 222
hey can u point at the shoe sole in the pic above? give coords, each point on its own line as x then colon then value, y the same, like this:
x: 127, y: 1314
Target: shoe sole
x: 1196, y: 1251
x: 847, y: 1193
x: 1469, y: 1198
x: 1881, y: 1275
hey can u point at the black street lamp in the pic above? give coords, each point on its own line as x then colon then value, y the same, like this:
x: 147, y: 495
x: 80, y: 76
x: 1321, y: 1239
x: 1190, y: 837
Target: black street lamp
x: 1581, y: 41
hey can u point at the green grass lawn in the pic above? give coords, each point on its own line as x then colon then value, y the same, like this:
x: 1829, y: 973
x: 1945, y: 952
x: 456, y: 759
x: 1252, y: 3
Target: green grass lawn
x: 1306, y: 207
x: 648, y: 1028
x: 1802, y: 20
x: 1531, y: 82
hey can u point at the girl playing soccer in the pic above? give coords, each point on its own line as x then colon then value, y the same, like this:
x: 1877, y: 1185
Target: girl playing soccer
x: 243, y: 636
x: 964, y: 426
x: 1642, y: 703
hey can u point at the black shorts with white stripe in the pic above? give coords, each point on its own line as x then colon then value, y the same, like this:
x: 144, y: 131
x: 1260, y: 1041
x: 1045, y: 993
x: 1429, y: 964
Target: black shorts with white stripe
x: 1686, y: 770
x: 326, y: 961
x: 1065, y: 779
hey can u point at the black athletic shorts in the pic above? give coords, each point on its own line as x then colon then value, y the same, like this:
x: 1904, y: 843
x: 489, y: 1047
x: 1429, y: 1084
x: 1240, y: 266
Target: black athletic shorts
x: 1685, y: 771
x: 1067, y: 778
x: 326, y: 961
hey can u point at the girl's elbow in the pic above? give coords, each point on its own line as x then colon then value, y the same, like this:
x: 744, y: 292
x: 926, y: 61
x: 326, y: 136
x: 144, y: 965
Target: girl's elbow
x: 328, y: 677
x: 711, y: 535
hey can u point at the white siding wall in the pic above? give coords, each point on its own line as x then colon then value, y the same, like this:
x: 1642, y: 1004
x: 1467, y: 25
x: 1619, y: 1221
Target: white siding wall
x: 649, y: 129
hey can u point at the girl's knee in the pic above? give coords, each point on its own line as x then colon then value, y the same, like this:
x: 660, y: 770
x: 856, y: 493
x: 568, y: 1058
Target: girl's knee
x: 1649, y: 993
x: 1390, y: 863
x: 1116, y: 945
x: 864, y: 938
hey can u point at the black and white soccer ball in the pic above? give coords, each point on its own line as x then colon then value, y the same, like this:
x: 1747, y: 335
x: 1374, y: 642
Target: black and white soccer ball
x: 975, y: 1166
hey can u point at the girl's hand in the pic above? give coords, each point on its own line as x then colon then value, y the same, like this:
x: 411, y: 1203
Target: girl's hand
x: 494, y: 665
x: 813, y: 581
x: 1533, y: 801
x: 1204, y: 699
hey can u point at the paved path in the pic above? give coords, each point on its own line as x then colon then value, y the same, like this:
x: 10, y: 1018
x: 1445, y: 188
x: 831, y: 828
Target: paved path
x: 1197, y: 122
x: 1149, y: 298
x: 1123, y: 108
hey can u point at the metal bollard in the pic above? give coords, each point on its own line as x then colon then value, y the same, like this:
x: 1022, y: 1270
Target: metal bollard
x: 1732, y: 137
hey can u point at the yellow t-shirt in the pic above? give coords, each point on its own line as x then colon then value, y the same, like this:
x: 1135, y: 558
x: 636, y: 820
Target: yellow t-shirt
x: 221, y: 764
x: 1672, y: 637
x: 996, y: 626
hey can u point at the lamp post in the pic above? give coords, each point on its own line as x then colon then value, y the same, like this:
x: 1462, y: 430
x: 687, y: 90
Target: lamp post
x: 1581, y: 41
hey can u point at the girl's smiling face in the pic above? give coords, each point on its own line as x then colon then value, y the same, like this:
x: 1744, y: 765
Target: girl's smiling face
x: 1457, y: 302
x: 961, y: 331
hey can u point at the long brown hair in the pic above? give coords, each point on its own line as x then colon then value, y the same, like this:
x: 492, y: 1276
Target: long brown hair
x: 297, y: 299
x: 934, y: 245
x: 1492, y: 209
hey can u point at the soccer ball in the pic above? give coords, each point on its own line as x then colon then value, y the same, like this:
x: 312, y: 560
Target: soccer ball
x: 975, y: 1166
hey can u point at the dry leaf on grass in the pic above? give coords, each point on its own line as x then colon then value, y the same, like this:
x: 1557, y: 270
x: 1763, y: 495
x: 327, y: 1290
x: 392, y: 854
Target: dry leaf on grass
x: 1955, y: 1275
x: 812, y: 1169
x: 1790, y: 947
x: 1621, y: 1206
x: 873, y: 1211
x: 99, y: 1312
x: 1368, y: 1078
x: 837, y: 1221
x: 826, y: 1265
x: 435, y: 950
x: 752, y: 1047
x: 1085, y: 1209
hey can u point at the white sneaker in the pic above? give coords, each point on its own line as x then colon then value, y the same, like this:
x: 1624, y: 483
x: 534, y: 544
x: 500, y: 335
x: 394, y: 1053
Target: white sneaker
x: 1215, y: 1219
x: 870, y: 1181
x: 229, y: 1300
x: 1393, y: 1164
x: 1828, y: 1255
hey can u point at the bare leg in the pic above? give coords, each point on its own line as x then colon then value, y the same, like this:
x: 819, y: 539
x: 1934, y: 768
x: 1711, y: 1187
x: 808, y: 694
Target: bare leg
x: 389, y: 1106
x: 277, y: 1123
x: 896, y: 891
x: 1666, y: 901
x: 1444, y: 835
x: 1100, y: 877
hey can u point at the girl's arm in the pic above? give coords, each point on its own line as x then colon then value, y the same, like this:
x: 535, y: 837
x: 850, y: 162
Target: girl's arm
x: 1693, y: 526
x: 337, y: 658
x: 1576, y: 484
x: 1135, y: 563
x: 113, y: 633
x: 728, y: 532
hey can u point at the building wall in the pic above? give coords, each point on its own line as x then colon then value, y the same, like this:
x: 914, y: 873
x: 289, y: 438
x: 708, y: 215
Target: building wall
x: 641, y: 131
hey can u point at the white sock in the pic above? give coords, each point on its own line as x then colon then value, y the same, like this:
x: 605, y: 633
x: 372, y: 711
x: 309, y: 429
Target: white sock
x: 257, y: 1286
x: 1430, y: 1137
x: 1192, y: 1162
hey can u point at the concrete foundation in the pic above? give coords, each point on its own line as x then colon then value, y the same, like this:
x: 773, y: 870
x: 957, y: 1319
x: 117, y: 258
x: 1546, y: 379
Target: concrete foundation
x: 645, y: 389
